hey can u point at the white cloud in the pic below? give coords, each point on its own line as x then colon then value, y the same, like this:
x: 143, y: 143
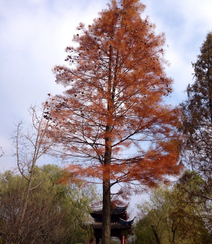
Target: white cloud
x: 185, y: 23
x: 34, y: 35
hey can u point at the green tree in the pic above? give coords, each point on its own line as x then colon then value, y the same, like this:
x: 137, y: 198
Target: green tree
x: 143, y: 231
x: 55, y: 213
x: 197, y: 194
x: 197, y: 125
x: 197, y: 111
x: 175, y: 215
x: 115, y: 85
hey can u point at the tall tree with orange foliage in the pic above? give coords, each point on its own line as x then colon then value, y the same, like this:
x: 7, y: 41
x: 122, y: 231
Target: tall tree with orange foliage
x: 112, y: 121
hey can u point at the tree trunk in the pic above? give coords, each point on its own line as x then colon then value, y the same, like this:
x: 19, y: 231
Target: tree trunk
x: 106, y: 218
x: 106, y: 221
x: 25, y: 203
x: 156, y: 235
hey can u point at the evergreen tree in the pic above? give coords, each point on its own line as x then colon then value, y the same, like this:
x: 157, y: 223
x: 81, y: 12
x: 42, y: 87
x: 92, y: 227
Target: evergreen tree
x: 197, y: 111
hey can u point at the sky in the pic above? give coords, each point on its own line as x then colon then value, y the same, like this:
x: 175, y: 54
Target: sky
x: 35, y: 33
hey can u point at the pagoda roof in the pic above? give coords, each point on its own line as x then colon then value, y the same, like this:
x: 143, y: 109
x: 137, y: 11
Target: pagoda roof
x: 119, y: 222
x: 116, y: 213
x: 126, y: 222
x: 114, y: 209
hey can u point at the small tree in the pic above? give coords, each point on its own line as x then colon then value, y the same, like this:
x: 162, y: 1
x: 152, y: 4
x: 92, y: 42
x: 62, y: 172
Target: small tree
x: 114, y: 102
x: 29, y: 147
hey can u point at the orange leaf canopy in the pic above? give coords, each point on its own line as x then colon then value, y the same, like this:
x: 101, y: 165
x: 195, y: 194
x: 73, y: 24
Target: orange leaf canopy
x: 112, y: 118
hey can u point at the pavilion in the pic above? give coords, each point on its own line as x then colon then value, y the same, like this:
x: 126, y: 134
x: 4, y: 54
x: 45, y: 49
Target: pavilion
x: 121, y: 227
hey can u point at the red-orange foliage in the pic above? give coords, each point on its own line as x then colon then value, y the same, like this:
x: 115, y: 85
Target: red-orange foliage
x: 111, y: 120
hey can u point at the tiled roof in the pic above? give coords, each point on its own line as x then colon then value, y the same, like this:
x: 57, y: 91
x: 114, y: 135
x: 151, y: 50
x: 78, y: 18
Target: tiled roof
x: 114, y: 208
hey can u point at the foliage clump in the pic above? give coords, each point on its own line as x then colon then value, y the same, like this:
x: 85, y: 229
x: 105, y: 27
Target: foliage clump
x: 175, y: 215
x: 55, y: 212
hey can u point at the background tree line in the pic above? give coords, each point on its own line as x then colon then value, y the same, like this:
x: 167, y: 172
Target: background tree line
x: 176, y: 214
